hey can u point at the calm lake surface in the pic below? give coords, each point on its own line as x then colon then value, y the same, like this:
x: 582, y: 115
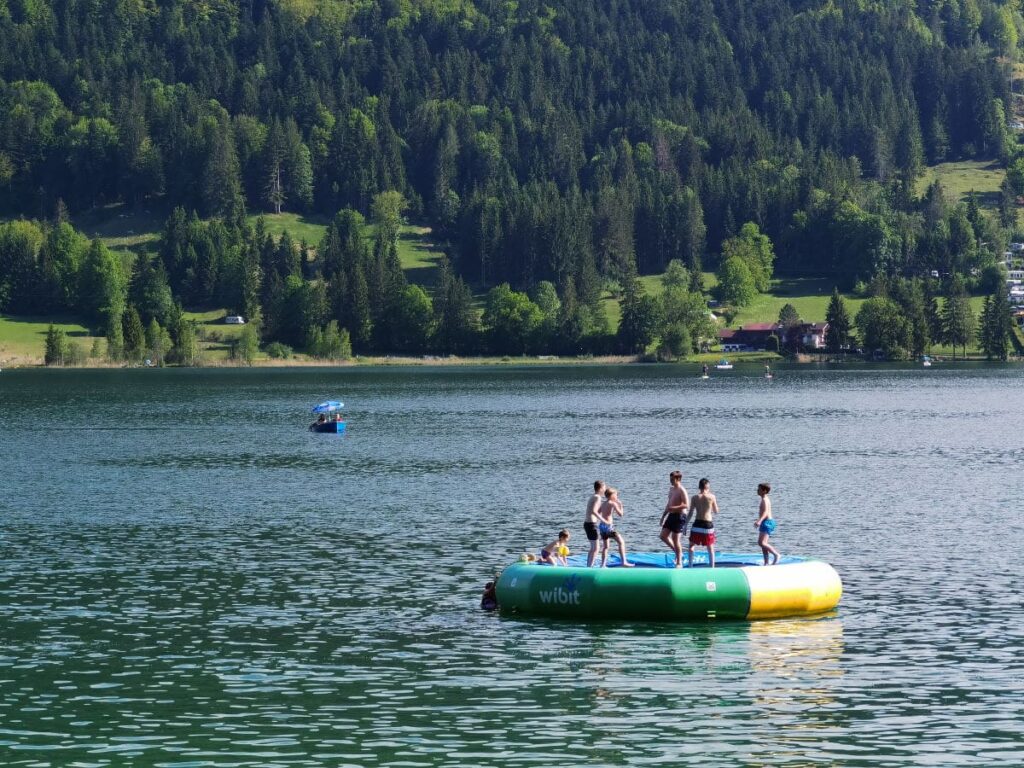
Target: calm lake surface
x: 188, y: 577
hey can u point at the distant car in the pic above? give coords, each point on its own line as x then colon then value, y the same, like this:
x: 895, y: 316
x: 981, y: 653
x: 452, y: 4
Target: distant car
x: 234, y: 320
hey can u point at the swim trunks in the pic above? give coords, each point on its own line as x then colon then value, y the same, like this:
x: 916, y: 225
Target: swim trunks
x: 702, y: 533
x: 675, y: 522
x: 591, y: 529
x: 607, y: 531
x: 544, y: 554
x: 767, y: 526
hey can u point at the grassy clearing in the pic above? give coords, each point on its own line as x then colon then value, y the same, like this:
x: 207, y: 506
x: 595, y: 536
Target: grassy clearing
x: 122, y: 228
x: 215, y: 338
x: 23, y: 338
x: 961, y: 177
x: 310, y: 228
x: 419, y: 255
x: 810, y: 296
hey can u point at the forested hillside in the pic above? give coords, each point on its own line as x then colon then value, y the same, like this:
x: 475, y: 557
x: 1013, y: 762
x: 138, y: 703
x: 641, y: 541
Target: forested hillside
x: 568, y: 142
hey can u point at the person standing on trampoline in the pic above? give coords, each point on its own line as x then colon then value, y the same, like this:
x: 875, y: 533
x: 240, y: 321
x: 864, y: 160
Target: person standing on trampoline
x: 606, y: 527
x: 673, y: 519
x: 702, y: 530
x: 765, y: 524
x: 591, y: 520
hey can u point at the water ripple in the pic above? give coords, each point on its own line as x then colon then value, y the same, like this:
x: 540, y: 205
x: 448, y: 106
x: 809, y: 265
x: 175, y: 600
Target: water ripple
x: 239, y: 592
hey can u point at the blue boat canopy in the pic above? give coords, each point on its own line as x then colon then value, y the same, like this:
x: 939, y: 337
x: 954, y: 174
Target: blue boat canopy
x: 329, y: 407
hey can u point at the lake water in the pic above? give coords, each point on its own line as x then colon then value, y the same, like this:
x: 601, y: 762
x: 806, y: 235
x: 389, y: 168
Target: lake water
x: 188, y: 577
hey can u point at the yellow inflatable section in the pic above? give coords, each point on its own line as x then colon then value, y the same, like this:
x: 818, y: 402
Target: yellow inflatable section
x: 792, y: 589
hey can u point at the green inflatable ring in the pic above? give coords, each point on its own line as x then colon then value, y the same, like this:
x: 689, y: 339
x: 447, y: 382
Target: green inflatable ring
x: 740, y: 587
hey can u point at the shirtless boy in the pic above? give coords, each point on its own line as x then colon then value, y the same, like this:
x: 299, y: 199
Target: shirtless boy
x: 591, y: 520
x: 552, y: 553
x: 606, y: 527
x: 673, y: 519
x: 702, y: 529
x: 765, y: 524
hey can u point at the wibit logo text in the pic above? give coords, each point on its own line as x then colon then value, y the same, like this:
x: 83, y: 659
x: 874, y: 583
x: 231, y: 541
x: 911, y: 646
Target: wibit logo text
x: 567, y: 594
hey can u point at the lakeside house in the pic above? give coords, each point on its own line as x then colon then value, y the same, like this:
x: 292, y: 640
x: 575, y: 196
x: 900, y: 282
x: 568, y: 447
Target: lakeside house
x: 753, y: 337
x: 747, y: 338
x: 812, y: 335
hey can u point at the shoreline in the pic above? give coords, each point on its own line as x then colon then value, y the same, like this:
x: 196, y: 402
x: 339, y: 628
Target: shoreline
x: 432, y: 361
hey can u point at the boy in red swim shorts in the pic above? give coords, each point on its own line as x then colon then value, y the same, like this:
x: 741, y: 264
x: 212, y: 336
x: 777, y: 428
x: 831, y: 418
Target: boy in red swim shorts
x: 702, y: 530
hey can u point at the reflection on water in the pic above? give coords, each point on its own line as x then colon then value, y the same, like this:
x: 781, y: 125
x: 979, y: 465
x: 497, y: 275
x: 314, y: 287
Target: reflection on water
x: 803, y: 656
x: 188, y: 577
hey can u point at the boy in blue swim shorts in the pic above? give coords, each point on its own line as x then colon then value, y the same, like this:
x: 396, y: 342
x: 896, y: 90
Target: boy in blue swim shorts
x: 765, y: 524
x: 606, y: 527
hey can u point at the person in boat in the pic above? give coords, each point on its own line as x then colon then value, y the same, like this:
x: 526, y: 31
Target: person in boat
x: 702, y: 530
x: 606, y: 527
x: 591, y: 520
x: 765, y: 524
x: 555, y: 552
x: 319, y: 420
x: 673, y: 519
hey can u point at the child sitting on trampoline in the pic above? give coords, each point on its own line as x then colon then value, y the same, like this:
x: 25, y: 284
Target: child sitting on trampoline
x: 556, y: 552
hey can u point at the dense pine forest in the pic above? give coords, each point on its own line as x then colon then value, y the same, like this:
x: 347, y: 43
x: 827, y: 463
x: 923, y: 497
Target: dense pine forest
x: 557, y: 150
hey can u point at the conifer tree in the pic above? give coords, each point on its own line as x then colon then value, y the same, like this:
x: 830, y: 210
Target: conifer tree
x: 134, y: 333
x: 359, y: 317
x: 996, y: 326
x: 186, y: 345
x: 222, y: 181
x: 115, y: 334
x: 273, y: 167
x: 839, y: 324
x: 957, y: 317
x: 157, y: 341
x: 56, y: 346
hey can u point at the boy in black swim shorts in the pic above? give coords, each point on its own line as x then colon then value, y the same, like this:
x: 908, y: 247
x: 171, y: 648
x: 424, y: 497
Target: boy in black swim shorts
x: 673, y: 519
x: 591, y: 520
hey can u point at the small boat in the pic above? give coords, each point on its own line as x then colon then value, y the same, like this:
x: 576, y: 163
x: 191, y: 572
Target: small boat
x: 329, y: 419
x: 926, y: 361
x: 723, y: 365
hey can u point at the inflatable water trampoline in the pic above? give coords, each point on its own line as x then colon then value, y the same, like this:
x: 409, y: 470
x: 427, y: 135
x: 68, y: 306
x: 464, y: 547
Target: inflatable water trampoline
x: 739, y: 587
